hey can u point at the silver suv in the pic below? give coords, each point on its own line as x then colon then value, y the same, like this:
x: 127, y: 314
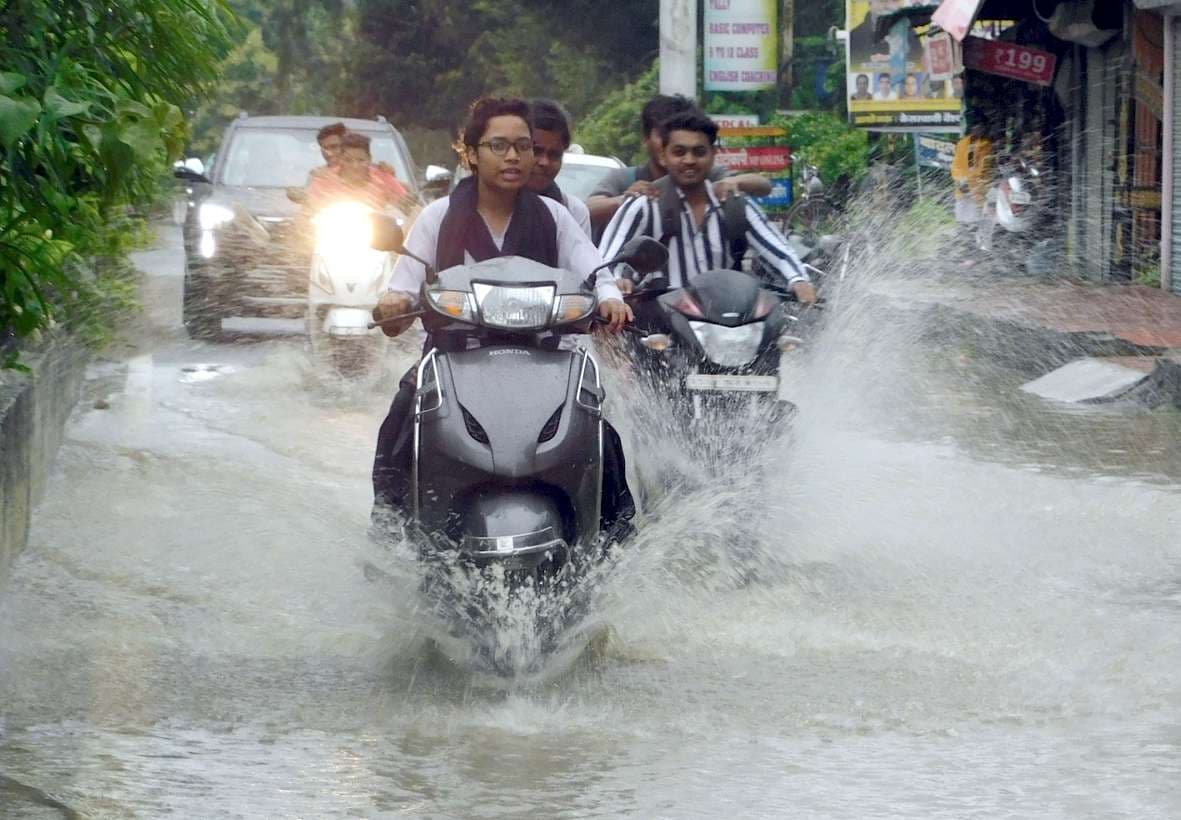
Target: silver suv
x: 232, y: 268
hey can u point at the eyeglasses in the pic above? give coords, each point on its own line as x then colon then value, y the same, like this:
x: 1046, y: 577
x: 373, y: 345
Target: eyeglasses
x: 500, y: 146
x: 553, y: 156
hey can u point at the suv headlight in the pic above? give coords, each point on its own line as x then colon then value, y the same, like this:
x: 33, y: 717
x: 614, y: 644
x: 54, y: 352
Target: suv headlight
x: 729, y: 346
x: 211, y: 216
x: 514, y: 307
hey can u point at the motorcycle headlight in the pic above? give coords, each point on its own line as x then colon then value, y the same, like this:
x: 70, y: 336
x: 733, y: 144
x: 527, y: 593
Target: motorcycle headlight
x: 344, y: 228
x: 211, y: 216
x: 514, y: 307
x: 455, y: 304
x: 729, y: 346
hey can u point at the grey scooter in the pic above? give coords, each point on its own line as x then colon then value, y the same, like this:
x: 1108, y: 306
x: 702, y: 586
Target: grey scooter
x: 508, y: 427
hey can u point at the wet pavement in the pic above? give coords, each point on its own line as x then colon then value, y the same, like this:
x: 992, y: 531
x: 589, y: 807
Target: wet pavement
x: 965, y: 603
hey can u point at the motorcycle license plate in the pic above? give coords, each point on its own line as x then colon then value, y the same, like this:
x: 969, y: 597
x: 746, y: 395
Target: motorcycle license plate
x: 1020, y: 197
x: 743, y: 384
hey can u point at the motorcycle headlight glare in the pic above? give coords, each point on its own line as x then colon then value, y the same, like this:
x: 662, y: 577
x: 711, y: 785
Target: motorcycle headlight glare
x: 514, y: 307
x: 211, y: 216
x: 456, y: 304
x: 729, y: 346
x: 344, y: 228
x: 573, y: 307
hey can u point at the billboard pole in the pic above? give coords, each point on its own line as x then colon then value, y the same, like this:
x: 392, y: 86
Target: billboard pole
x: 678, y: 47
x: 787, y: 24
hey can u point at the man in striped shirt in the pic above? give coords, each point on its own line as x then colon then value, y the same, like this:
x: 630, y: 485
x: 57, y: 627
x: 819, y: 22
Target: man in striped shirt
x: 699, y: 243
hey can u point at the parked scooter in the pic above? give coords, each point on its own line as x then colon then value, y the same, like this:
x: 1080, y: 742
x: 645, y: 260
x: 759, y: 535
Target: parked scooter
x: 507, y: 472
x: 1019, y: 204
x: 1016, y: 196
x: 346, y: 279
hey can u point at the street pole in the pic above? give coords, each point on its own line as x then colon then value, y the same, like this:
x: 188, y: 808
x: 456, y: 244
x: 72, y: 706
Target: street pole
x: 918, y: 168
x: 787, y: 49
x: 678, y: 47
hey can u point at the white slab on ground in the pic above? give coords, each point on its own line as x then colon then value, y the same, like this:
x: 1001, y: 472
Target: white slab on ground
x: 1086, y: 380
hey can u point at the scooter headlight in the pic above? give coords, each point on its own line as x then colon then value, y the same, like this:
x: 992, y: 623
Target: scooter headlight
x: 729, y: 346
x: 343, y: 229
x: 514, y: 307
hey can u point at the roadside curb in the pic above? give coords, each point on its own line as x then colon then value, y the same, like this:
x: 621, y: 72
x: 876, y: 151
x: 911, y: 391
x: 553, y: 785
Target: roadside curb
x: 34, y: 409
x: 1036, y: 350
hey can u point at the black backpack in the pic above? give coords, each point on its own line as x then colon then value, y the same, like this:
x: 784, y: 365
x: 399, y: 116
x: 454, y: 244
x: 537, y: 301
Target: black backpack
x: 734, y: 222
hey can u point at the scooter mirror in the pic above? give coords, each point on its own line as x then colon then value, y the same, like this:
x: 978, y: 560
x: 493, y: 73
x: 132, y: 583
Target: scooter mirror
x: 643, y: 253
x: 387, y: 234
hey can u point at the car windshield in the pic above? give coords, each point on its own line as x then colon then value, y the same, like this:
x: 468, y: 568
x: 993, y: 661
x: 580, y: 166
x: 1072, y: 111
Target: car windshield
x: 580, y: 180
x: 281, y: 158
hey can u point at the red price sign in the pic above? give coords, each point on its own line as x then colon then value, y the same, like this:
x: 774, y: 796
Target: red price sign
x: 1029, y: 65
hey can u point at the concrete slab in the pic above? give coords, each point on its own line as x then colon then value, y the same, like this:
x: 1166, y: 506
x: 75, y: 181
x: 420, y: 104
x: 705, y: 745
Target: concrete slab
x: 1091, y: 380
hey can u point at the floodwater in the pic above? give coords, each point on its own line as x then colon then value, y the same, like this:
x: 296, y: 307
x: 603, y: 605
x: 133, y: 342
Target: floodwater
x: 969, y: 607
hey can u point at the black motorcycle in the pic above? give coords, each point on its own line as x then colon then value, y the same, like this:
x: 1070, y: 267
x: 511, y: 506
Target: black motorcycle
x: 710, y: 363
x: 507, y: 475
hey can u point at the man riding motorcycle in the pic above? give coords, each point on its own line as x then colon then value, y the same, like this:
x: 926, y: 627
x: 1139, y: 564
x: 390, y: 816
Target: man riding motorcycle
x: 698, y: 241
x: 490, y: 214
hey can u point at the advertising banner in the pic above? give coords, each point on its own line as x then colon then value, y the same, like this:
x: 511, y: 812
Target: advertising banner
x: 890, y: 82
x: 773, y: 161
x: 764, y: 160
x: 741, y: 45
x: 1031, y: 65
x: 934, y: 152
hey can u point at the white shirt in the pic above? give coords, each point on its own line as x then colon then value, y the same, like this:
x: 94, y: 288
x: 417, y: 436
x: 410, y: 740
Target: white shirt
x: 576, y: 252
x: 694, y: 250
x: 580, y: 212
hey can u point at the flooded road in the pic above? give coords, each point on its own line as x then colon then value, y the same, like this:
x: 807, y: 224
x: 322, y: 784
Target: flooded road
x: 971, y: 609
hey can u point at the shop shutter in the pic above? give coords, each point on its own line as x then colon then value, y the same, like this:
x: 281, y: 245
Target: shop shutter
x: 1175, y: 226
x: 1175, y: 160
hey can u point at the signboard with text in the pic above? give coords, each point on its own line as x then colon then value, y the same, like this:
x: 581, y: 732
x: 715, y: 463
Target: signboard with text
x: 1016, y: 62
x: 780, y: 196
x: 763, y: 160
x: 894, y: 83
x: 741, y: 45
x: 772, y: 161
x: 735, y: 120
x: 934, y: 152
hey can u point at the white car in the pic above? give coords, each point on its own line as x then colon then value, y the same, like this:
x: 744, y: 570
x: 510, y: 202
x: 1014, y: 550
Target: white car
x: 580, y: 172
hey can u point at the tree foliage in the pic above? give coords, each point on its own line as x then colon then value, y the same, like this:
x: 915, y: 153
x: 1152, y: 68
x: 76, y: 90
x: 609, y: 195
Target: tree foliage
x: 421, y: 61
x: 613, y: 127
x: 290, y: 57
x: 88, y: 119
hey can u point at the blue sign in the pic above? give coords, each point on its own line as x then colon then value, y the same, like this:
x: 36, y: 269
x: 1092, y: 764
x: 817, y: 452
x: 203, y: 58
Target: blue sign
x: 933, y: 152
x: 780, y: 196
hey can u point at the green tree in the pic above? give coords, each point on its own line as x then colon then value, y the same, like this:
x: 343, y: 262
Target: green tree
x: 88, y: 121
x: 289, y: 57
x: 613, y: 127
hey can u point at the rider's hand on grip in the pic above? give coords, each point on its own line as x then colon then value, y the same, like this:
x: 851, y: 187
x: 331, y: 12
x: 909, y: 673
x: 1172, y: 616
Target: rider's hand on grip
x: 393, y: 304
